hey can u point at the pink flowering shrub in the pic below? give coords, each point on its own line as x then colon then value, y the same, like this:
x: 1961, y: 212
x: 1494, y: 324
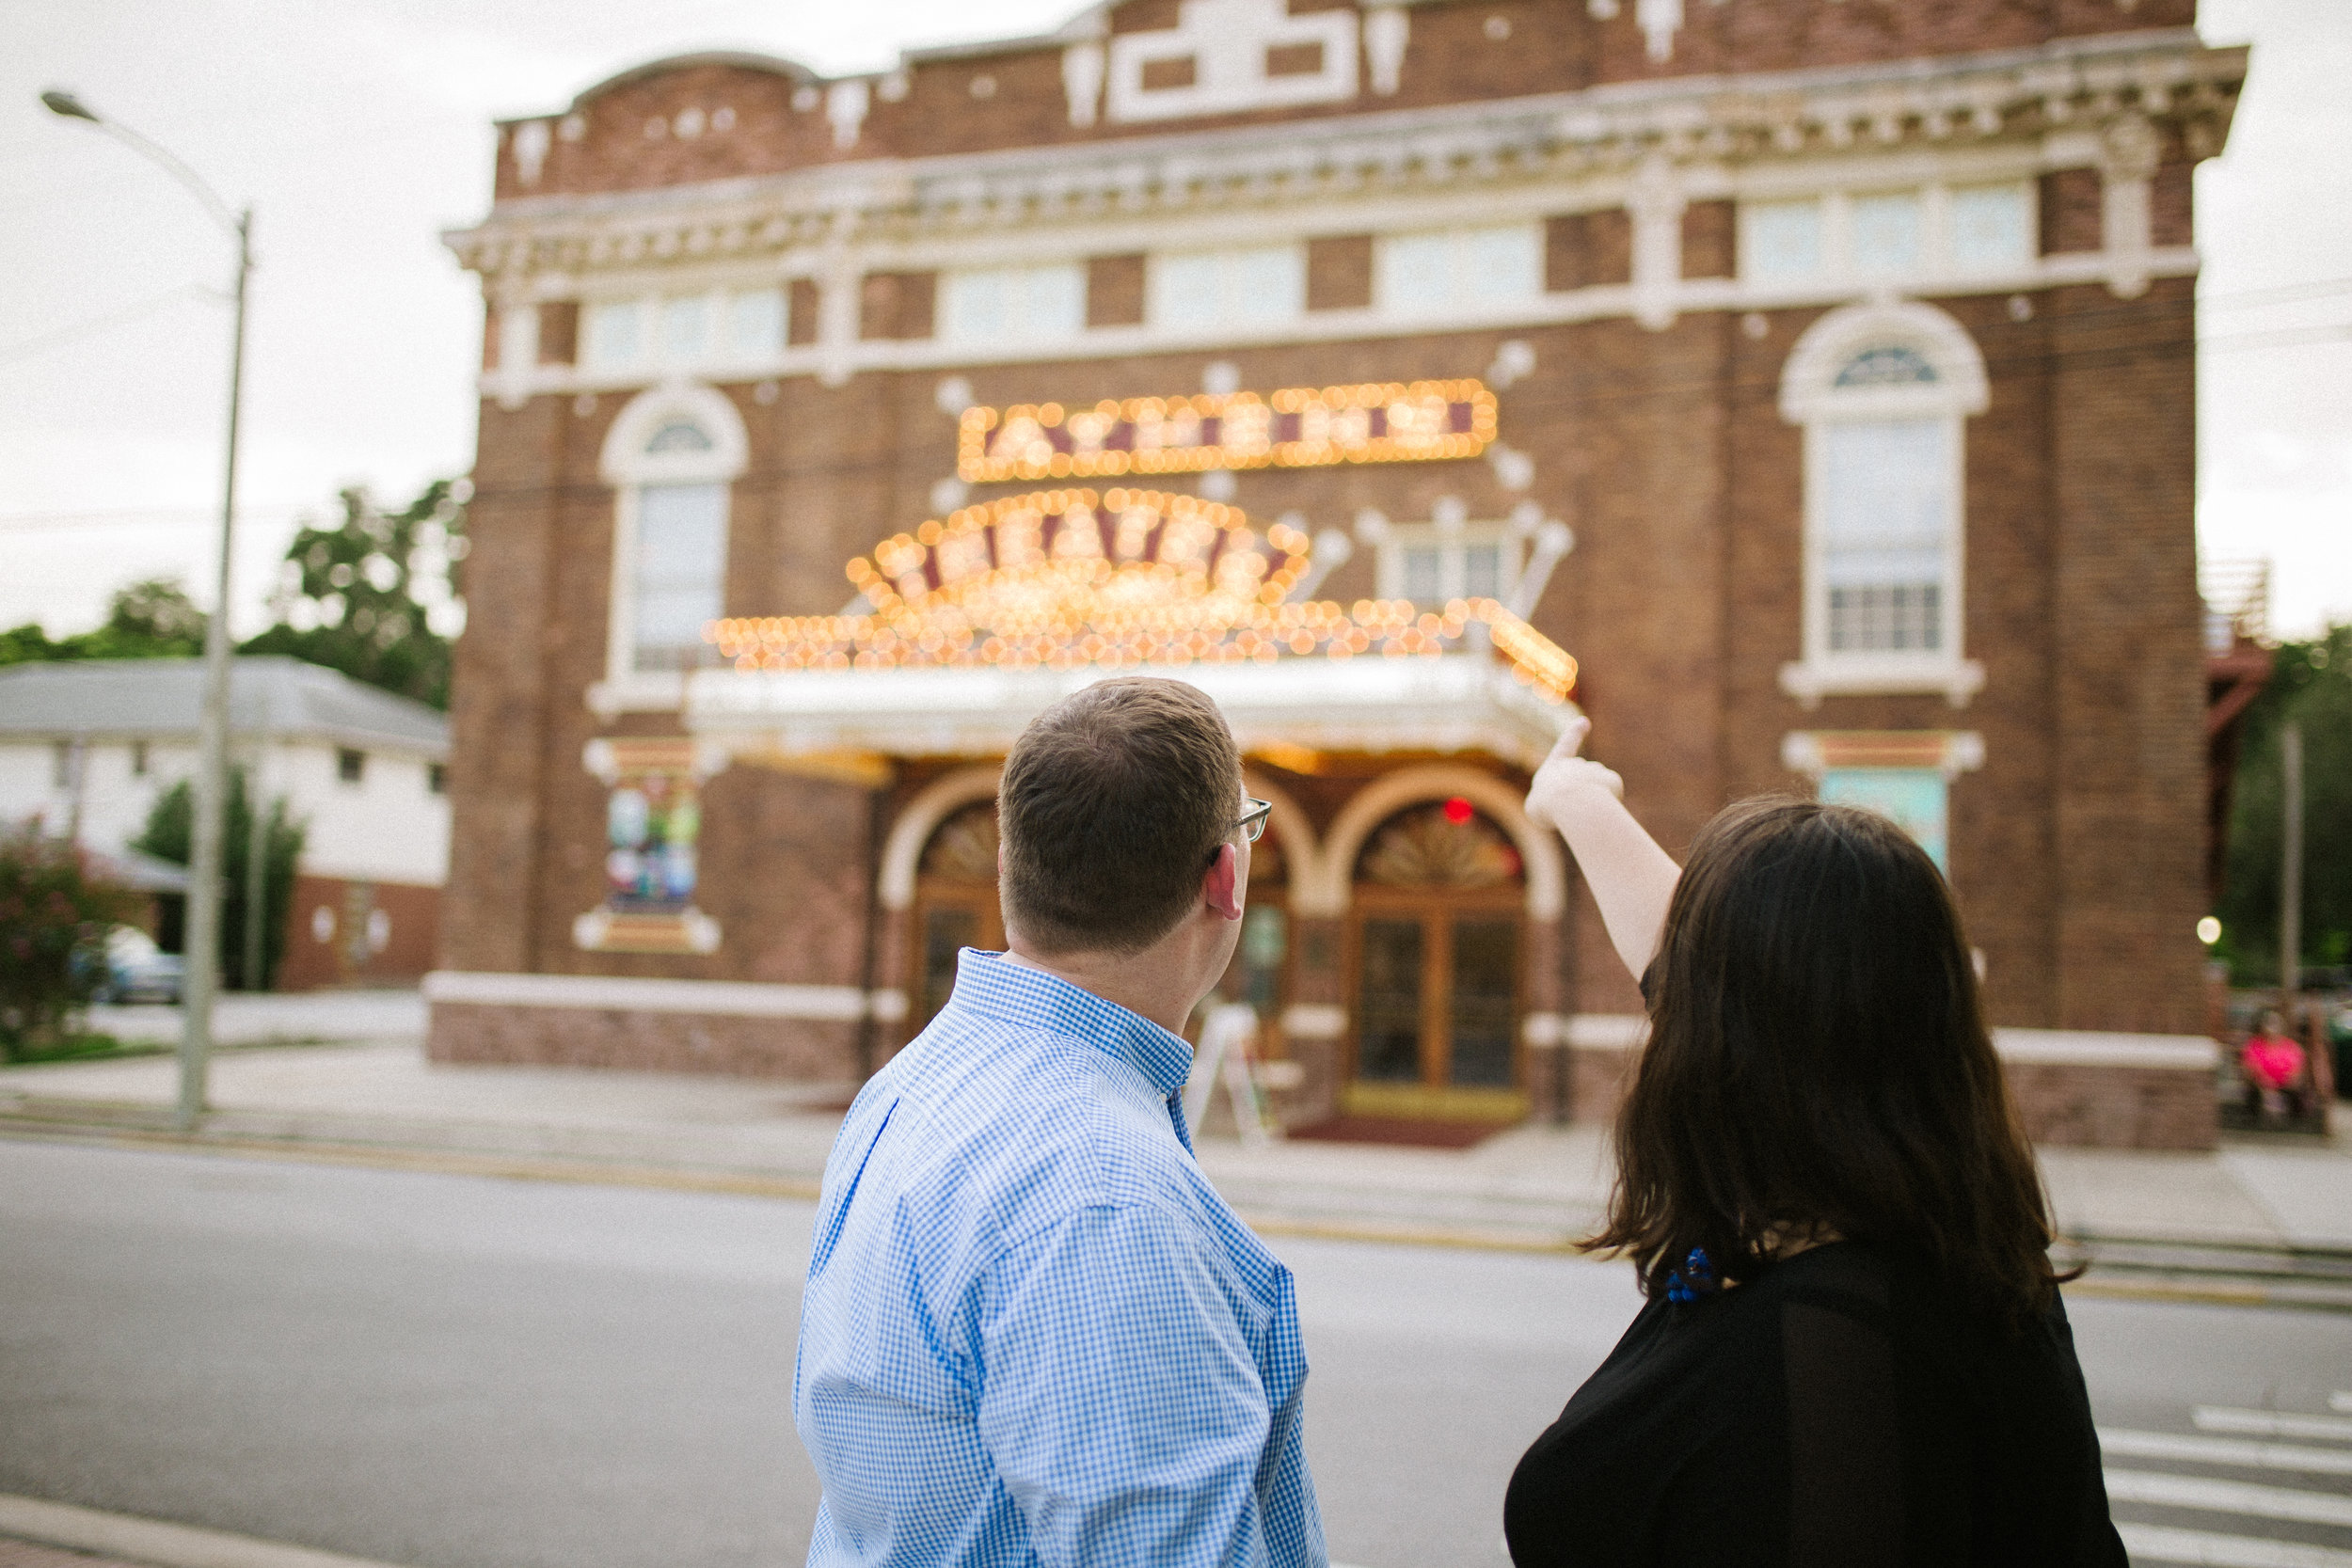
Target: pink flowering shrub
x: 54, y: 914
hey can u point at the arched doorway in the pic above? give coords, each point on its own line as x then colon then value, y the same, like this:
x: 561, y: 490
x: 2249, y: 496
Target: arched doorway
x: 955, y: 903
x: 1435, y: 942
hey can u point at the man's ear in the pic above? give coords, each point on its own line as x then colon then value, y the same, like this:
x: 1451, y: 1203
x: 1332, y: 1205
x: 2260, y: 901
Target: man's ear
x: 1220, y: 885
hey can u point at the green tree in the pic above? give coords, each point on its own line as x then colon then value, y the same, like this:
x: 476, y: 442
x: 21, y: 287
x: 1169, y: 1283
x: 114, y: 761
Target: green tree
x: 54, y: 919
x: 167, y: 836
x: 377, y: 596
x: 151, y: 618
x: 2311, y: 685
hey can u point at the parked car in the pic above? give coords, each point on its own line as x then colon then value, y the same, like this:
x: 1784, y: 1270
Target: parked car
x: 138, y: 971
x: 2340, y: 1041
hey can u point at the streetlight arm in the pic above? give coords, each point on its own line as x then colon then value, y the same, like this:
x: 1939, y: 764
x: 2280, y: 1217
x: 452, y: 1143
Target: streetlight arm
x: 65, y: 104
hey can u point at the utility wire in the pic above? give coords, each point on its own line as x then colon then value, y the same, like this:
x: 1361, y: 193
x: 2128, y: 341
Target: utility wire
x: 63, y: 335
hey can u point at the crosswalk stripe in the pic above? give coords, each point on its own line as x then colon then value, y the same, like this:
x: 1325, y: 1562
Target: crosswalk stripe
x: 2228, y: 1496
x: 2270, y: 1423
x: 2224, y: 1451
x: 2163, y: 1544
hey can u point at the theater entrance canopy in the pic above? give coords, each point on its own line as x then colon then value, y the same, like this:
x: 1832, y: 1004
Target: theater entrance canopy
x: 1402, y: 935
x: 969, y: 625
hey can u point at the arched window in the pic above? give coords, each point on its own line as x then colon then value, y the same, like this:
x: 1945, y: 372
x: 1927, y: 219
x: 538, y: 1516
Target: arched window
x: 1884, y: 392
x: 671, y: 457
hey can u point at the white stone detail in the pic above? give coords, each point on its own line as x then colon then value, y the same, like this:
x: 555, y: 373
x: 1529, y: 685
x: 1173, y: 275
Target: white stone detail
x: 1514, y: 469
x: 1607, y: 1030
x: 531, y: 150
x: 1314, y: 1021
x: 846, y: 103
x: 619, y: 993
x: 2129, y: 150
x: 2102, y: 1047
x: 1658, y: 19
x: 1655, y: 200
x: 1228, y: 42
x: 1082, y: 72
x: 1387, y: 30
x: 1514, y: 360
x: 1554, y: 540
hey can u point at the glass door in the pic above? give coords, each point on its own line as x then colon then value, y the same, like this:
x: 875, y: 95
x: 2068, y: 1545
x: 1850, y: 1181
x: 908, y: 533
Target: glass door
x: 1433, y: 957
x: 1436, y: 995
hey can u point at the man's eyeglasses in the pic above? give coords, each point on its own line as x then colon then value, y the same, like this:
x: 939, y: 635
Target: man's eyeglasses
x: 1250, y: 824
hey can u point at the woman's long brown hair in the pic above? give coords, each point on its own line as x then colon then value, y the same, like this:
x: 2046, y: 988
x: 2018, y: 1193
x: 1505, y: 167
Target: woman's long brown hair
x: 1818, y: 1062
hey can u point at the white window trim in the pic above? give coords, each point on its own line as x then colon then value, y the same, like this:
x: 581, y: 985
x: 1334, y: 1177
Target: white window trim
x: 951, y: 329
x: 628, y: 468
x: 1810, y: 397
x: 1458, y: 301
x: 1229, y: 322
x: 1937, y: 263
x: 1399, y: 537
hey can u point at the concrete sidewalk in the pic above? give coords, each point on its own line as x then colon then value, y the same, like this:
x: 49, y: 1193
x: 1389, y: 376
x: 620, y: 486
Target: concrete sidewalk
x: 1528, y: 1187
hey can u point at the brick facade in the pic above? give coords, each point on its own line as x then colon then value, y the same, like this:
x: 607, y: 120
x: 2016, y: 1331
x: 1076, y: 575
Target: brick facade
x: 1641, y: 389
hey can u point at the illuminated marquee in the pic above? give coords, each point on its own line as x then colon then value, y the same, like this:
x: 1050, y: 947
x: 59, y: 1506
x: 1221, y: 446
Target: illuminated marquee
x: 1299, y: 427
x: 1063, y: 579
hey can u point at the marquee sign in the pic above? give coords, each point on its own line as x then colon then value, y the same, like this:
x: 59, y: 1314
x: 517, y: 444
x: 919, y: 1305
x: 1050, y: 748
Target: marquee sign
x: 1299, y: 427
x: 1063, y: 579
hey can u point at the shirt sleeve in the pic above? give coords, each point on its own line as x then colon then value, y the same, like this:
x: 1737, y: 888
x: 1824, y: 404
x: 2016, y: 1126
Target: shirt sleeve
x: 1119, y: 1399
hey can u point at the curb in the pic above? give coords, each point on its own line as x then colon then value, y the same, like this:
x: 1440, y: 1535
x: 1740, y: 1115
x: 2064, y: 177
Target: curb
x: 513, y: 1167
x: 151, y: 1541
x: 2213, y: 1271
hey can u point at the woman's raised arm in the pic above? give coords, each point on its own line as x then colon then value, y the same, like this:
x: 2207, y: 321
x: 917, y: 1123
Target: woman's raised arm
x: 1631, y: 878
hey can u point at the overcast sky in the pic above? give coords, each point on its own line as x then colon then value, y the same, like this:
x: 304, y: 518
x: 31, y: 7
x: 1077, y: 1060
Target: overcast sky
x: 359, y: 129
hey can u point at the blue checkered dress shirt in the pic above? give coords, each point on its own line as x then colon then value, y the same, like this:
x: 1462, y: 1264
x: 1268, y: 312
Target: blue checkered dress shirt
x: 1033, y: 1332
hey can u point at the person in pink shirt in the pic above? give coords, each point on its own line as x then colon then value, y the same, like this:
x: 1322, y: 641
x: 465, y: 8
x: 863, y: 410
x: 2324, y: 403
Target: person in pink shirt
x: 2272, y: 1061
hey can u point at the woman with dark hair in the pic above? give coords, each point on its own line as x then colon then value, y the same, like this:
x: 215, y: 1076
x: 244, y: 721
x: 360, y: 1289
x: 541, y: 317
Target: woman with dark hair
x: 1854, y: 1351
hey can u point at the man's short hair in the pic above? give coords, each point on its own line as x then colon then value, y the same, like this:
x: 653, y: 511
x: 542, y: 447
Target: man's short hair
x: 1112, y: 806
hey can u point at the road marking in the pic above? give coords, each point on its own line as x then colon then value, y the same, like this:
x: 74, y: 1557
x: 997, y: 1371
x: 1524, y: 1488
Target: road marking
x: 2163, y: 1544
x: 2228, y: 1496
x: 2224, y: 1451
x: 2270, y: 1423
x: 125, y: 1535
x: 2341, y: 1401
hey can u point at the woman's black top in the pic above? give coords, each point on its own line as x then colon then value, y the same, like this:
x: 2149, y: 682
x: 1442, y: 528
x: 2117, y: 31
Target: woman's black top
x: 1839, y: 1409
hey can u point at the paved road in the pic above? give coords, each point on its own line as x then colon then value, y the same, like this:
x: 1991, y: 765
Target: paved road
x: 455, y: 1372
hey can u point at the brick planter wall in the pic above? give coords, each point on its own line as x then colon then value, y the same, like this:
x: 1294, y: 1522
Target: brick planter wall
x: 2077, y: 1087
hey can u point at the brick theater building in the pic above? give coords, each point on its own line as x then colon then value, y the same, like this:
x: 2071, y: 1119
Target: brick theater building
x: 1817, y: 374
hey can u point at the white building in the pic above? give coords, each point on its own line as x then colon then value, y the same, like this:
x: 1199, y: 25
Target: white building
x: 88, y: 746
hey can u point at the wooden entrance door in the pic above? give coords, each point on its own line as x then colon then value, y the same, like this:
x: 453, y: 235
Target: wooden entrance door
x: 1437, y: 1007
x: 1435, y: 943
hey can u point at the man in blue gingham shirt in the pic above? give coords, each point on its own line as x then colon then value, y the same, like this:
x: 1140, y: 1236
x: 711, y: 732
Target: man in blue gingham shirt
x: 1033, y: 1333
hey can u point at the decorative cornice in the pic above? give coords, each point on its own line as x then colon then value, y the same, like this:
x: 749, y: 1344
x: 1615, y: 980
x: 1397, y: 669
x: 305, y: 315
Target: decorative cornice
x: 2086, y: 85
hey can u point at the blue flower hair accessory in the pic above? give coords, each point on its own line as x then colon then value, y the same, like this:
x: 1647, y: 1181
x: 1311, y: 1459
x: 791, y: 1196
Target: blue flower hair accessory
x: 1695, y: 1278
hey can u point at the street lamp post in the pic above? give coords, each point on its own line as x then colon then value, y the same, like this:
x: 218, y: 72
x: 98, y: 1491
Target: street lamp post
x: 202, y: 944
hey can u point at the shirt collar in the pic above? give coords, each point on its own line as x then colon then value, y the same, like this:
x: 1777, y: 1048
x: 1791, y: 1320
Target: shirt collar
x: 989, y: 983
